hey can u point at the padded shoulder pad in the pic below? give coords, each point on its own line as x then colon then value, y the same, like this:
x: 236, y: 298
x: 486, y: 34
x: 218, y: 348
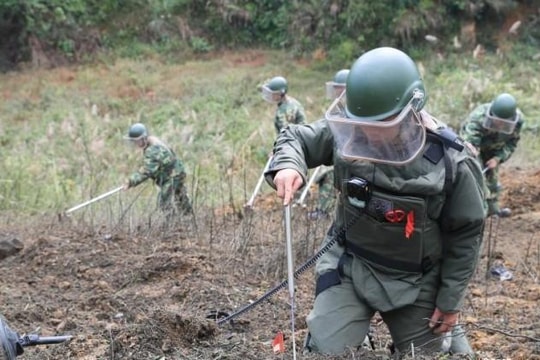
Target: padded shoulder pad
x: 448, y: 138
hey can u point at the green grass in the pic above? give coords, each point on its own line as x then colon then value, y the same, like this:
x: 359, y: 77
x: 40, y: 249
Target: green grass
x: 61, y: 129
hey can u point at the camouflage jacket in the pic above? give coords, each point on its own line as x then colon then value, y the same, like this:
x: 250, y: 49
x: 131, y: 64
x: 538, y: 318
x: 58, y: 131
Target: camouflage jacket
x: 490, y: 144
x: 289, y: 111
x: 159, y: 164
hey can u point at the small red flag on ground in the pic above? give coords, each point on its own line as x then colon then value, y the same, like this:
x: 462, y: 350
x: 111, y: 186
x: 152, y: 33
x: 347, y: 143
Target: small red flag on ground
x: 278, y: 344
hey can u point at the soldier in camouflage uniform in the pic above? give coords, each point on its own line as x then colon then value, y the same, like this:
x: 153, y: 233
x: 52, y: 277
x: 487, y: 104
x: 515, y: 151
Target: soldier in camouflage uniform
x: 325, y: 180
x: 289, y: 110
x: 162, y: 166
x: 493, y: 131
x: 410, y: 214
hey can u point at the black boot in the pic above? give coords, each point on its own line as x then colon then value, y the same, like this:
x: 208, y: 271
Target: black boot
x: 504, y: 212
x: 317, y: 214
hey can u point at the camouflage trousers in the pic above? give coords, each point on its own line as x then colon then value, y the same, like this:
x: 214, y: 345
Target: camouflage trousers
x: 173, y: 197
x: 327, y: 193
x: 494, y: 190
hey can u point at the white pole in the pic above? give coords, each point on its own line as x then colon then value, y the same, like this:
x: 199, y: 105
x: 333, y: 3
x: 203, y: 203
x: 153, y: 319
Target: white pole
x: 290, y: 271
x: 100, y: 197
x: 249, y: 204
x: 308, y: 185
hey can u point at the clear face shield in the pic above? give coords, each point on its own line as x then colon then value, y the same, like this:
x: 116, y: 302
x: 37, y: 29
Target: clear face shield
x: 395, y: 141
x: 334, y: 89
x: 135, y: 142
x: 500, y: 125
x: 270, y: 95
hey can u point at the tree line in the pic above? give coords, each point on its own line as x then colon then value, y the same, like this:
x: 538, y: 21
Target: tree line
x: 54, y: 32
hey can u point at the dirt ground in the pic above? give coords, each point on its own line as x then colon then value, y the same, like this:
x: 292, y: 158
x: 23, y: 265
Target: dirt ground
x: 154, y: 294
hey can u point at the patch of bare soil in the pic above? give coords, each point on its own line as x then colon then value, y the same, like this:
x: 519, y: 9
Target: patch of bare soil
x: 155, y: 293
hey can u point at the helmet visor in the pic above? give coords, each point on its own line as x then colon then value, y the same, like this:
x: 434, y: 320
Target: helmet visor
x: 334, y: 89
x: 500, y: 125
x: 269, y: 95
x: 133, y: 139
x: 395, y: 141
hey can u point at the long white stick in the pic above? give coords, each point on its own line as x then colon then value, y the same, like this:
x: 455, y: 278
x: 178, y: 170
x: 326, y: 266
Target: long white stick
x: 97, y: 198
x: 249, y: 204
x: 302, y: 199
x: 290, y: 270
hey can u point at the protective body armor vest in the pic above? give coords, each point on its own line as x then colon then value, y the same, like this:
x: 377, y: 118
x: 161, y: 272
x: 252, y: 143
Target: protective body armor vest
x: 398, y: 226
x: 396, y: 231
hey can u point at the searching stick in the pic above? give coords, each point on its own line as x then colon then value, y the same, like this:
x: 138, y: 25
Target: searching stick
x: 249, y: 204
x: 34, y: 339
x: 97, y: 198
x: 290, y: 270
x: 302, y: 199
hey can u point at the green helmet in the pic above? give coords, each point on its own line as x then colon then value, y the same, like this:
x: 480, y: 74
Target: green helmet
x: 137, y: 131
x: 335, y: 88
x: 381, y: 83
x: 278, y: 83
x: 504, y: 106
x: 341, y: 76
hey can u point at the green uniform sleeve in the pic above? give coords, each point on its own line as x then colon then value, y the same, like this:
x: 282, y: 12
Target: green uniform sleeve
x: 302, y: 147
x: 472, y: 130
x: 300, y: 116
x: 289, y: 112
x: 152, y: 165
x: 462, y: 224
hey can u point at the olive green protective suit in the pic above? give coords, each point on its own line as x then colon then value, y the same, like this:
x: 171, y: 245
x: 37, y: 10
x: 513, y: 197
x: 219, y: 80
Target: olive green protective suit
x: 370, y: 258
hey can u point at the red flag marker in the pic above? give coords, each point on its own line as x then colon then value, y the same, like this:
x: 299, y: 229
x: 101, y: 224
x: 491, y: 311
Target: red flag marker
x: 278, y: 344
x: 409, y: 226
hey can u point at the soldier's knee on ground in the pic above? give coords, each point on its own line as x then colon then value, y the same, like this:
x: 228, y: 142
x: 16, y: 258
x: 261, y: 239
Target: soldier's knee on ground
x: 309, y: 347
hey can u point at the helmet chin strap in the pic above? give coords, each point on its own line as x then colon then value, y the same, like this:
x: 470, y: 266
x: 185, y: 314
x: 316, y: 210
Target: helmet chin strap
x: 418, y: 99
